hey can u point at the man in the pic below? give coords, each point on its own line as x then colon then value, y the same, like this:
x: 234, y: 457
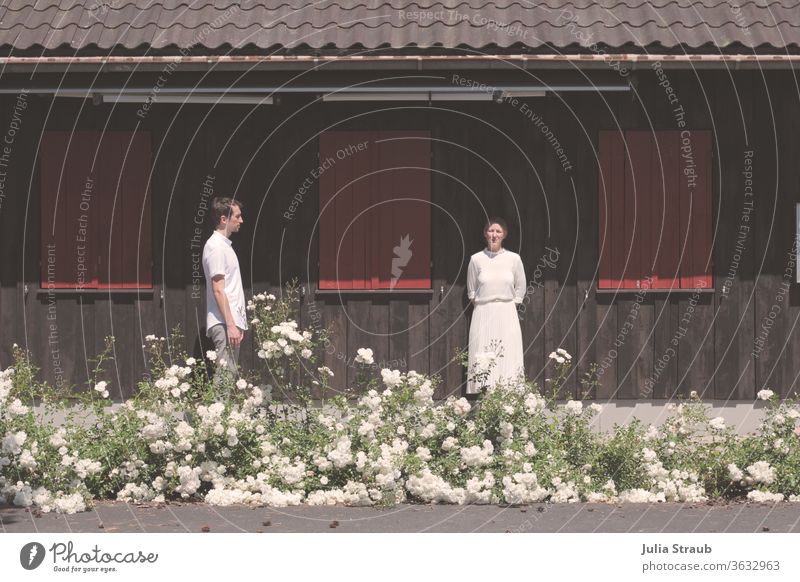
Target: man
x: 226, y: 320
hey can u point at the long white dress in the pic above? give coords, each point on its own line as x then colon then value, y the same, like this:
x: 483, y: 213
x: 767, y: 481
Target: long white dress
x: 495, y: 284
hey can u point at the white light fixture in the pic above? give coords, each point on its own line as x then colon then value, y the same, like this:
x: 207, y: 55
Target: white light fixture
x: 512, y: 93
x: 408, y: 96
x: 212, y: 98
x: 74, y: 94
x: 472, y: 96
x: 442, y: 95
x: 189, y: 99
x: 369, y: 96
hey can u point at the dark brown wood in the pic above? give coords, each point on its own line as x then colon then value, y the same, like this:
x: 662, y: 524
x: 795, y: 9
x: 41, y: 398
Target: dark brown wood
x: 459, y: 162
x: 774, y: 272
x: 788, y: 371
x: 419, y: 335
x: 488, y: 158
x: 588, y: 271
x: 398, y: 334
x: 632, y: 336
x: 734, y: 240
x: 696, y: 312
x: 523, y: 169
x: 559, y: 288
x: 665, y: 240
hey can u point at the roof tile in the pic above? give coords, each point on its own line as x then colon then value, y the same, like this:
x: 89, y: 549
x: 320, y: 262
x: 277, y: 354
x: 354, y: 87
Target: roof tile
x: 50, y: 24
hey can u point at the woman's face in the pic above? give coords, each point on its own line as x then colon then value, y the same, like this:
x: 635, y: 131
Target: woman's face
x: 494, y: 235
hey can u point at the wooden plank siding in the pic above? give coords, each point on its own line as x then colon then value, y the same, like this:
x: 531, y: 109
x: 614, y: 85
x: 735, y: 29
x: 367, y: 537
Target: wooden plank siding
x: 486, y: 159
x: 787, y: 371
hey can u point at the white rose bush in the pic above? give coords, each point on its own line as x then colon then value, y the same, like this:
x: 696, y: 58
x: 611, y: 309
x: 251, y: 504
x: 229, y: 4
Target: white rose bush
x: 264, y: 441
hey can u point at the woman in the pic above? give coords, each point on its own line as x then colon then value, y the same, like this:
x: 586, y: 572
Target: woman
x: 495, y: 284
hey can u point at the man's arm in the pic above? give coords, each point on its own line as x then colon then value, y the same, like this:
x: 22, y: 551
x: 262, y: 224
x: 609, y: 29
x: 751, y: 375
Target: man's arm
x: 218, y: 287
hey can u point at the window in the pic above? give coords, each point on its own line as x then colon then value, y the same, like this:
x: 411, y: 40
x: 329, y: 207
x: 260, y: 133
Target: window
x: 655, y: 210
x: 374, y: 205
x: 95, y: 210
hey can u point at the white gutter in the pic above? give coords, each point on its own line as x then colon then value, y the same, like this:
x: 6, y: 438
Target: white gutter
x: 415, y: 62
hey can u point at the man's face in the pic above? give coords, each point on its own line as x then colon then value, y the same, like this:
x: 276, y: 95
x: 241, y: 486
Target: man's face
x: 234, y: 221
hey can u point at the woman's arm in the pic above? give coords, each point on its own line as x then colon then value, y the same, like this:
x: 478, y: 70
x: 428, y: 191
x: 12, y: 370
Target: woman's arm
x: 519, y: 281
x: 472, y: 280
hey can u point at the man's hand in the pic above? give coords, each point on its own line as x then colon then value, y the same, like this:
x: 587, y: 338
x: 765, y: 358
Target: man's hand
x: 234, y: 335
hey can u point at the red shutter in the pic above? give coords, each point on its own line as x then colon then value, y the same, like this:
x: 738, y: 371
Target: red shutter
x: 402, y: 198
x: 655, y: 218
x: 137, y: 205
x: 328, y: 143
x: 95, y: 209
x: 125, y: 253
x: 344, y: 202
x: 696, y: 209
x: 612, y: 209
x: 54, y: 147
x: 665, y: 237
x: 68, y: 239
x: 368, y: 223
x: 356, y: 227
x: 108, y: 200
x: 637, y: 208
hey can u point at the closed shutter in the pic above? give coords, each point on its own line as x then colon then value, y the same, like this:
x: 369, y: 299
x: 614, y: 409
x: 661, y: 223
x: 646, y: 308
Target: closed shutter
x: 125, y: 256
x: 402, y: 253
x: 655, y: 210
x: 68, y: 186
x: 96, y: 219
x: 374, y: 227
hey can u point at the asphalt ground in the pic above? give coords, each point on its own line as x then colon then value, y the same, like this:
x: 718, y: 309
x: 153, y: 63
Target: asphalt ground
x: 110, y: 517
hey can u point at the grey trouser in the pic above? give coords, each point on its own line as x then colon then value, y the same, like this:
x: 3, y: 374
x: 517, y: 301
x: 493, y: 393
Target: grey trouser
x: 219, y: 335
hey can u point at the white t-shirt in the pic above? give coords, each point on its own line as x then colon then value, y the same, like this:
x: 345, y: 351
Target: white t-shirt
x: 496, y: 277
x: 219, y: 258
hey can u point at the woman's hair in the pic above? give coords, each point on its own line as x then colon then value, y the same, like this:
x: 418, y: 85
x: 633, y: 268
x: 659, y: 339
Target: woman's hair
x: 496, y: 220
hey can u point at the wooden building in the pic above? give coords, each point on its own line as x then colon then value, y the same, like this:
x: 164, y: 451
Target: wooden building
x: 650, y: 182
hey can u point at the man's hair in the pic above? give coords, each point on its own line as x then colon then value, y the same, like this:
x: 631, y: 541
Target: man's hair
x: 223, y: 207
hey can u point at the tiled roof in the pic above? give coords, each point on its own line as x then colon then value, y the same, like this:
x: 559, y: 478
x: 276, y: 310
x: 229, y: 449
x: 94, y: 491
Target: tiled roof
x: 297, y: 24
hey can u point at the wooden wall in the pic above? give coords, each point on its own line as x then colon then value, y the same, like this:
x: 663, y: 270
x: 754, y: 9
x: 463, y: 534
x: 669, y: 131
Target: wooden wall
x: 488, y: 159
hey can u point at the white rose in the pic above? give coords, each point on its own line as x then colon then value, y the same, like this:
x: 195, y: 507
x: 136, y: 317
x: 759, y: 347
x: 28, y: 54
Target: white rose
x: 717, y: 423
x: 365, y: 356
